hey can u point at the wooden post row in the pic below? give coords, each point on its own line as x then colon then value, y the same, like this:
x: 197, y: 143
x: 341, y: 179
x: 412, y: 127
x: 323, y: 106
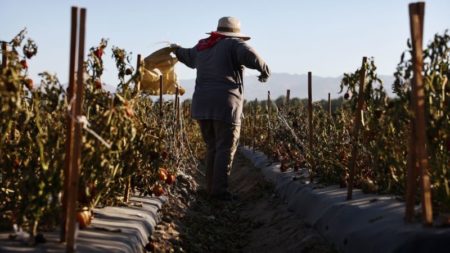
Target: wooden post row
x: 356, y: 128
x: 310, y: 126
x: 416, y: 17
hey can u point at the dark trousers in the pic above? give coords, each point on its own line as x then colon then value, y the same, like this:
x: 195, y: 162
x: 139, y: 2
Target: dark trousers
x: 221, y: 139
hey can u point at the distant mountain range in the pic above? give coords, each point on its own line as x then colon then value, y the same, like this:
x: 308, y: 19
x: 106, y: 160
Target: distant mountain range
x: 278, y: 83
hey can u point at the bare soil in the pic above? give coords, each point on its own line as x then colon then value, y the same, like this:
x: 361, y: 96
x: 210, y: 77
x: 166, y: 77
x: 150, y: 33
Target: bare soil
x: 259, y: 221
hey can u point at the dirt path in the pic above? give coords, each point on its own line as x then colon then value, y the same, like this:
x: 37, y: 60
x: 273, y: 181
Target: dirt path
x: 258, y: 222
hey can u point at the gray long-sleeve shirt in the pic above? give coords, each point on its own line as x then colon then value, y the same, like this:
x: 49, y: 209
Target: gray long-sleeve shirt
x: 218, y: 91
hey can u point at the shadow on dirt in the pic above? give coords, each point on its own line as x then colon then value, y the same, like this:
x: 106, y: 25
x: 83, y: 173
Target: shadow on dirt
x: 258, y: 221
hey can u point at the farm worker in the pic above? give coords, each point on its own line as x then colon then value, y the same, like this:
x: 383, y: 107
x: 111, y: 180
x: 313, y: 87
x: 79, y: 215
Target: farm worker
x: 217, y: 101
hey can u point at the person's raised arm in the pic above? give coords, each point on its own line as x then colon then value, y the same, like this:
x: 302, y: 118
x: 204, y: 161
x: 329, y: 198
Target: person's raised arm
x: 248, y: 57
x: 187, y: 56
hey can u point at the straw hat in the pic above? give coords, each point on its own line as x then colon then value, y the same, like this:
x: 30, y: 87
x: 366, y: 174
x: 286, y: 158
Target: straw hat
x: 230, y: 26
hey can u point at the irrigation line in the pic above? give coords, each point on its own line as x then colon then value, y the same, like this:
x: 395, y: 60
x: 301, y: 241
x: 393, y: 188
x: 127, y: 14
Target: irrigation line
x: 85, y: 124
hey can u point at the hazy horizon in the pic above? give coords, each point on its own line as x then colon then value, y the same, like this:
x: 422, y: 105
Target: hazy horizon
x: 327, y: 38
x: 278, y: 85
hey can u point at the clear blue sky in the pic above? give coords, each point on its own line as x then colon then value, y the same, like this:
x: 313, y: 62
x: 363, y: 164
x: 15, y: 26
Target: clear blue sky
x: 327, y: 37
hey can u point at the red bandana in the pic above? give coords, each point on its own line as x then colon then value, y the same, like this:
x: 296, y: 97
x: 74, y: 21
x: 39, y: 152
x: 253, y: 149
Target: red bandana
x: 210, y: 41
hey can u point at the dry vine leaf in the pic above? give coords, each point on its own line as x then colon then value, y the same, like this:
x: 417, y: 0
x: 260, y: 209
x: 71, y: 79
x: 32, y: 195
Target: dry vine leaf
x: 160, y: 62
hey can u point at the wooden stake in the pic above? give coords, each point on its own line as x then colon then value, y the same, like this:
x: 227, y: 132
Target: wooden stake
x: 70, y: 123
x: 411, y: 175
x: 253, y: 125
x: 179, y: 113
x: 160, y: 97
x: 268, y: 118
x: 177, y: 105
x: 138, y: 69
x: 288, y: 97
x: 75, y: 161
x: 189, y: 110
x: 127, y: 194
x: 357, y: 126
x: 330, y: 127
x: 329, y: 104
x: 416, y: 17
x: 310, y: 128
x: 4, y: 55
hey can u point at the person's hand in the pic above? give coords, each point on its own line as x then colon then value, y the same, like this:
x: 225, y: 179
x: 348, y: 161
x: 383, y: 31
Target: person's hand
x: 263, y: 77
